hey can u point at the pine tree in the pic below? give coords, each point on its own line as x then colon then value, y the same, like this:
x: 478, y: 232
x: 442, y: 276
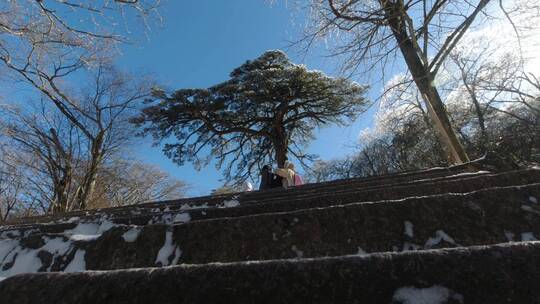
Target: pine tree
x: 267, y: 111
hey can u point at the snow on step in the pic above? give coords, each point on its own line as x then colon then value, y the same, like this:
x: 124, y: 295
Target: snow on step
x: 439, y: 237
x: 165, y: 255
x: 433, y: 295
x: 131, y: 235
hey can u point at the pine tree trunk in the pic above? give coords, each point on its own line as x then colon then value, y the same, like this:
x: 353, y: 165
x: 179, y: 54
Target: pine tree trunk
x: 280, y: 140
x: 281, y: 155
x: 280, y: 146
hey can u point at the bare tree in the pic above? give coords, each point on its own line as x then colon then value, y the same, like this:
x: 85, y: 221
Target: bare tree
x: 102, y: 118
x: 41, y: 40
x: 47, y: 148
x: 488, y: 74
x: 11, y: 187
x: 42, y: 44
x: 492, y: 88
x: 523, y: 89
x: 72, y: 146
x: 127, y: 182
x: 424, y: 32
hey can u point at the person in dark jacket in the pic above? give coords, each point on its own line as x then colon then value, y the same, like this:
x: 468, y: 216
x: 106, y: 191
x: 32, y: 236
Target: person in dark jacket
x: 268, y: 179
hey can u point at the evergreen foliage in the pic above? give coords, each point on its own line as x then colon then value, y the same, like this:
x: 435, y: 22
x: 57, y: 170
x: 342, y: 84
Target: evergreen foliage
x: 267, y: 110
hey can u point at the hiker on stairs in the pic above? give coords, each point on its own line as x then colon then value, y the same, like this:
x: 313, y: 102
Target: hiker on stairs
x: 290, y: 178
x: 268, y: 179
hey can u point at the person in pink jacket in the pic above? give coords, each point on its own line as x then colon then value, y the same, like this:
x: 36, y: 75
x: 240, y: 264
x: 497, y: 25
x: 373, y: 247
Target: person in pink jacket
x: 290, y: 178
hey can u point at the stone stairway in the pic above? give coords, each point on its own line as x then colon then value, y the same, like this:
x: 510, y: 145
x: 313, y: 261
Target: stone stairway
x: 447, y: 235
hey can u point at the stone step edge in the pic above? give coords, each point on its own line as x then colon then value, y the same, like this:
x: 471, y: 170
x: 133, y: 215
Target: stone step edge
x: 316, y: 186
x: 303, y: 210
x: 393, y: 201
x: 423, y: 182
x: 371, y: 255
x: 284, y: 194
x: 233, y: 195
x: 478, y: 274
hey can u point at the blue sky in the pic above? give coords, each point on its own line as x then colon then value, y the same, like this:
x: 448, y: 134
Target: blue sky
x: 200, y: 42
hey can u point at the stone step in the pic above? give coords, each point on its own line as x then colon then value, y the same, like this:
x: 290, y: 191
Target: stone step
x: 482, y: 217
x: 354, y: 183
x: 216, y: 201
x: 209, y: 201
x: 463, y: 184
x: 298, y: 194
x: 495, y: 274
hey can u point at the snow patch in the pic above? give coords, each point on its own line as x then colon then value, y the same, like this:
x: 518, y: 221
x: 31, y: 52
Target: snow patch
x: 73, y: 219
x: 131, y: 235
x: 533, y: 200
x: 84, y: 238
x: 439, y: 237
x: 408, y: 229
x: 152, y: 220
x: 528, y: 237
x: 182, y: 218
x: 468, y: 174
x: 229, y: 204
x: 57, y: 247
x: 361, y: 251
x: 167, y: 250
x: 464, y: 174
x: 78, y: 263
x: 433, y: 295
x: 15, y: 259
x: 22, y: 260
x: 165, y: 219
x: 177, y: 255
x: 187, y: 206
x: 88, y: 231
x: 529, y: 209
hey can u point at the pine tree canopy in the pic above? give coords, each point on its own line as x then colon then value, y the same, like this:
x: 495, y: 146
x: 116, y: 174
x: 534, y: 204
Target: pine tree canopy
x: 266, y: 112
